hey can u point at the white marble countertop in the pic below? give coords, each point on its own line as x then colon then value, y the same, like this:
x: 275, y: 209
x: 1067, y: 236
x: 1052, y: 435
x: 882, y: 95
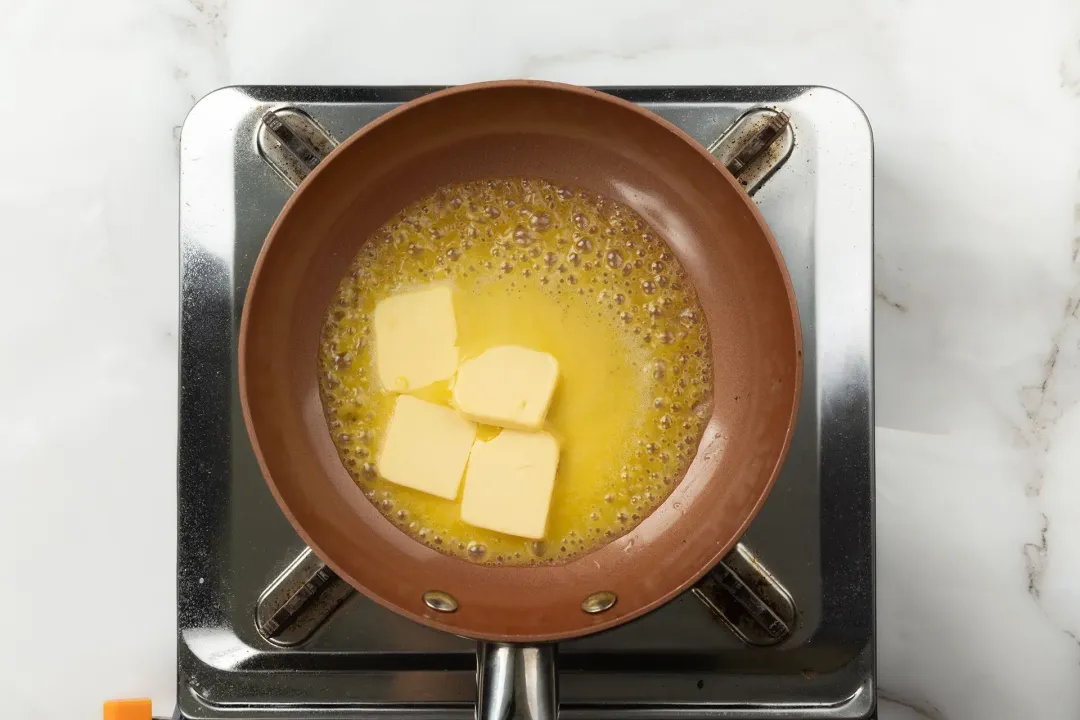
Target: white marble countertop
x: 976, y: 115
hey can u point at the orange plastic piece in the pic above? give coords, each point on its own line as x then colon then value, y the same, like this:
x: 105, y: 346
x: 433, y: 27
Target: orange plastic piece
x: 136, y: 709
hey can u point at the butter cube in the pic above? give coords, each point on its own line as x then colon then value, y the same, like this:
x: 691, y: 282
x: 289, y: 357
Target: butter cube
x: 509, y: 481
x: 509, y: 386
x: 415, y: 338
x: 426, y: 448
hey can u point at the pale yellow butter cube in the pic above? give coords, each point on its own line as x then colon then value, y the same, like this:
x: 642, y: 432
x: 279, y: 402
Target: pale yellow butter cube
x: 509, y: 386
x: 509, y: 481
x: 426, y: 447
x: 416, y: 338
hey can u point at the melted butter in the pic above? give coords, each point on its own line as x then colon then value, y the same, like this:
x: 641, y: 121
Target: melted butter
x: 555, y: 269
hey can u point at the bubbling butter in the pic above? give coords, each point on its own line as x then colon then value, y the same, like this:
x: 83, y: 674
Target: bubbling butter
x: 556, y: 270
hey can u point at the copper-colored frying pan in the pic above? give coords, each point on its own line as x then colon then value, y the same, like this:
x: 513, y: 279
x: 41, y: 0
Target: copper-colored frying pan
x: 563, y: 134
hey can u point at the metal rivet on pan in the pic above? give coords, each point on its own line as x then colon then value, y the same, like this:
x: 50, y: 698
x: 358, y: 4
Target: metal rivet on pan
x: 598, y: 602
x: 439, y: 601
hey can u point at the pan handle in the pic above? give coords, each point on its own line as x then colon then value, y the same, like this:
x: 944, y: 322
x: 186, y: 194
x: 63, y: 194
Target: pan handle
x: 516, y: 682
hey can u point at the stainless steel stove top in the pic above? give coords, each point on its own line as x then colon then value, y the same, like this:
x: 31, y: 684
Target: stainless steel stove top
x: 783, y: 629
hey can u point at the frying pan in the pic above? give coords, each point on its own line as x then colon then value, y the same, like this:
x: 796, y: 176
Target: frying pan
x: 569, y: 135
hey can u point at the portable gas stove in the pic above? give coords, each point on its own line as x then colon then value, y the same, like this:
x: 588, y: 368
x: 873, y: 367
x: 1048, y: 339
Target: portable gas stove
x: 783, y: 628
